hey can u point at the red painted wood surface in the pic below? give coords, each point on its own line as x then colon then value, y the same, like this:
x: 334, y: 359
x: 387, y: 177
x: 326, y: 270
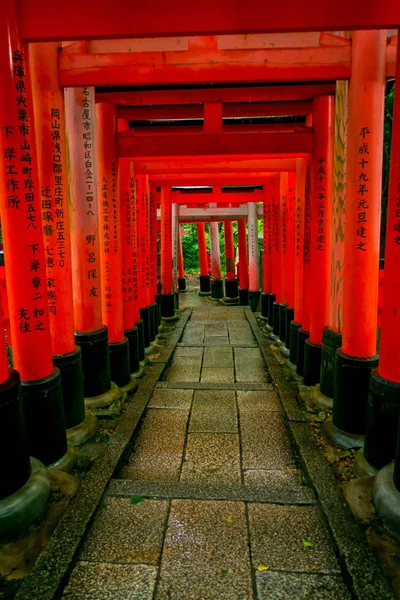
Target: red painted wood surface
x: 267, y: 238
x: 48, y: 104
x: 3, y: 349
x: 299, y: 239
x: 166, y: 242
x: 181, y: 267
x: 126, y: 196
x: 201, y: 240
x: 363, y: 199
x: 20, y: 207
x: 243, y: 264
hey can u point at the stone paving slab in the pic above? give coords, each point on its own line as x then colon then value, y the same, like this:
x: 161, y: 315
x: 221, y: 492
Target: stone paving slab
x: 184, y: 372
x: 218, y: 357
x: 199, y: 314
x: 214, y: 412
x: 158, y: 450
x: 265, y: 443
x: 190, y: 361
x: 216, y: 329
x: 103, y: 581
x: 205, y: 556
x: 278, y: 533
x: 170, y: 398
x: 212, y: 458
x: 300, y: 586
x: 249, y: 365
x: 215, y: 386
x: 288, y: 479
x: 188, y: 351
x: 277, y: 491
x: 259, y: 401
x: 126, y: 533
x: 210, y: 340
x: 217, y: 343
x: 217, y: 375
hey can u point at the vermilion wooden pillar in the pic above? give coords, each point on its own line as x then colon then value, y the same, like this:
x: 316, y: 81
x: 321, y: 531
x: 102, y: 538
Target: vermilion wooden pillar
x: 110, y: 243
x: 126, y: 194
x: 181, y: 266
x: 299, y: 212
x: 48, y: 101
x: 205, y: 285
x: 143, y: 253
x: 273, y: 309
x: 151, y: 281
x: 20, y: 208
x: 243, y: 264
x: 357, y: 356
x: 321, y: 227
x: 217, y: 284
x: 167, y: 295
x: 332, y: 336
x: 175, y: 228
x: 304, y: 331
x: 288, y: 262
x: 231, y: 282
x: 136, y: 270
x: 90, y: 333
x: 384, y: 387
x: 267, y: 250
x: 254, y: 265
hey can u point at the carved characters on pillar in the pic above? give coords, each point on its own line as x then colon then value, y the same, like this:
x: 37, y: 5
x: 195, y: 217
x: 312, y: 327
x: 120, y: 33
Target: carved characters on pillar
x: 362, y: 188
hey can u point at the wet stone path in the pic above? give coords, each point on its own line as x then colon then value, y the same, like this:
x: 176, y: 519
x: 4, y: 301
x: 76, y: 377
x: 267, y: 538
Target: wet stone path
x: 210, y: 503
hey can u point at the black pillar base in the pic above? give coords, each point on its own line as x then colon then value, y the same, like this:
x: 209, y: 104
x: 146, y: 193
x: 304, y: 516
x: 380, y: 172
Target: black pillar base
x: 153, y: 326
x: 282, y: 322
x: 294, y: 341
x: 71, y: 371
x: 382, y: 421
x: 254, y: 299
x: 289, y: 319
x: 132, y: 336
x: 44, y: 416
x: 231, y: 291
x: 157, y: 300
x: 167, y: 306
x: 312, y: 362
x: 331, y: 341
x: 217, y: 289
x: 95, y: 361
x: 205, y: 285
x: 14, y: 453
x: 351, y: 387
x: 275, y: 321
x: 302, y: 336
x: 182, y: 284
x: 264, y: 306
x: 243, y: 297
x: 145, y: 317
x: 119, y: 362
x: 271, y: 301
x: 176, y: 300
x: 140, y: 329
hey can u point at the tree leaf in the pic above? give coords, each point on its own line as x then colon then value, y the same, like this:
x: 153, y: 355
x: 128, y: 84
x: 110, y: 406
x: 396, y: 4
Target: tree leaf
x: 307, y: 544
x: 229, y: 519
x: 224, y: 573
x: 136, y: 499
x: 262, y: 568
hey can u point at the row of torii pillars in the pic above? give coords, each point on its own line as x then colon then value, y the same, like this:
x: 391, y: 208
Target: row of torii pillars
x: 82, y: 275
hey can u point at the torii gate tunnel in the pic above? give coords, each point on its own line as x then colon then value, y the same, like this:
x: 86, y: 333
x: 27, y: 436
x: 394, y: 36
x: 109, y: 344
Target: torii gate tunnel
x: 123, y: 115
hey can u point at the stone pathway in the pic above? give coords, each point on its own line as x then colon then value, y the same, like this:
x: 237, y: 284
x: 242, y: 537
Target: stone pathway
x: 210, y: 503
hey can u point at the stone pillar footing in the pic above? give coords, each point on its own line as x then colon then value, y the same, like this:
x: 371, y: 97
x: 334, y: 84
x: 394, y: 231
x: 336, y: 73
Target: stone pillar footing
x: 84, y: 431
x: 67, y: 462
x: 321, y: 400
x: 340, y: 438
x: 351, y: 388
x: 205, y: 285
x: 302, y: 336
x: 294, y: 340
x: 254, y: 299
x: 27, y: 504
x: 312, y: 362
x: 131, y: 387
x: 140, y: 327
x: 243, y: 297
x: 44, y: 417
x: 70, y: 366
x: 217, y: 289
x: 182, y: 284
x: 119, y: 362
x: 331, y: 341
x: 386, y: 499
x: 167, y: 306
x: 95, y: 361
x: 362, y: 466
x: 110, y: 401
